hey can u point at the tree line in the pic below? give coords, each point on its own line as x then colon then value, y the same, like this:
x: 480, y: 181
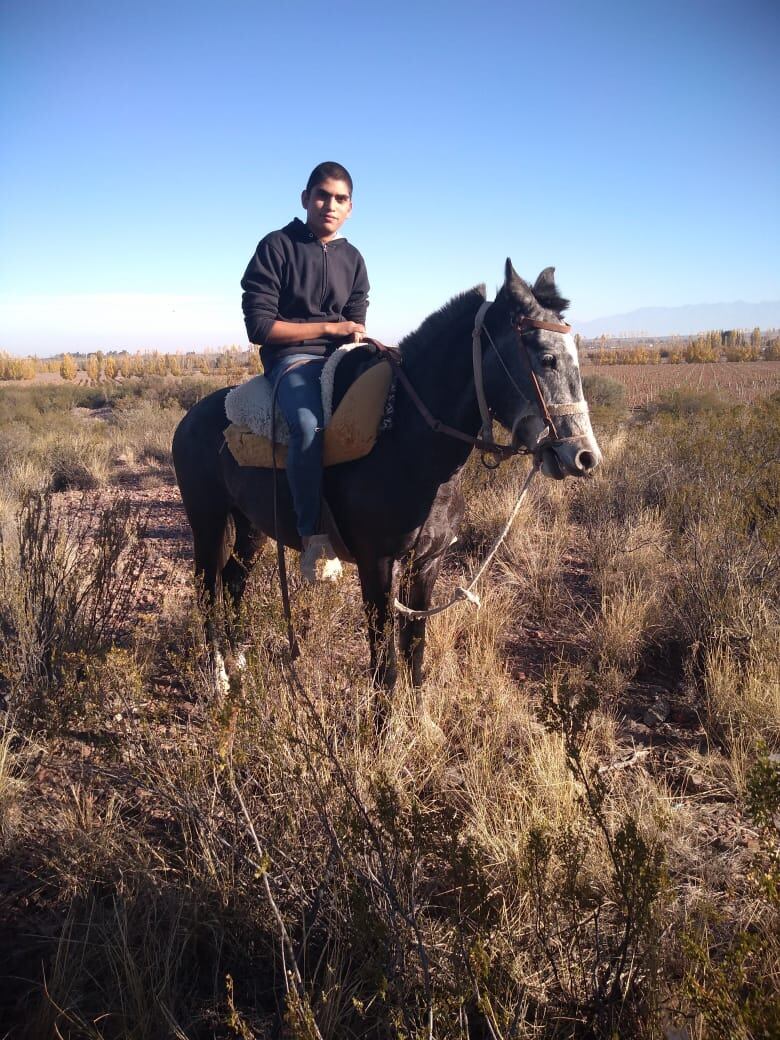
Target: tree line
x: 710, y: 347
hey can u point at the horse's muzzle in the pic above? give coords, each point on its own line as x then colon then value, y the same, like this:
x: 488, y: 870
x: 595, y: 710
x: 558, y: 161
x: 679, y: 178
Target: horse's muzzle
x: 574, y: 457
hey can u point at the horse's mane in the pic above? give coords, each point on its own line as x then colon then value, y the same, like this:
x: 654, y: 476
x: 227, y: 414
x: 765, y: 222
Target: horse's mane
x: 443, y: 320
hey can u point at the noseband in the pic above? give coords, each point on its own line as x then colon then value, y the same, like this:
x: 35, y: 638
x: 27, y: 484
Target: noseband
x: 521, y: 325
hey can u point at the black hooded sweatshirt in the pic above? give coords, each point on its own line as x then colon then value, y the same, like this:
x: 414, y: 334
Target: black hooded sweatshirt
x: 295, y: 277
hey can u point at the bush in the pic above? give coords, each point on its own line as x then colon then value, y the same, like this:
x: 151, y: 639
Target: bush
x: 688, y: 402
x: 66, y: 589
x: 606, y: 398
x: 603, y: 392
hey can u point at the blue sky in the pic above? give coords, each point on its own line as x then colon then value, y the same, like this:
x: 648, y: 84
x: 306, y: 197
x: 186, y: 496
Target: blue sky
x: 148, y: 146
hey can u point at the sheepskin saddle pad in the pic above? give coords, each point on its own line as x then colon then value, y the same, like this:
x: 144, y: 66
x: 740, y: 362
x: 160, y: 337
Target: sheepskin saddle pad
x: 350, y: 430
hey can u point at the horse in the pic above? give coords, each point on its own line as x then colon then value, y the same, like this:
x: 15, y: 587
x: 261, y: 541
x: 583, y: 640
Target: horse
x: 398, y: 509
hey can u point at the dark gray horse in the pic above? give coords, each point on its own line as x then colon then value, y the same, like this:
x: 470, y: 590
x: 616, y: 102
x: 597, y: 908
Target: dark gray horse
x: 399, y: 508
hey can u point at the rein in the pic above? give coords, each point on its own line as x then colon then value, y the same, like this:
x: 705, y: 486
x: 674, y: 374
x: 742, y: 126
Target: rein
x: 466, y: 592
x: 280, y: 559
x: 485, y: 444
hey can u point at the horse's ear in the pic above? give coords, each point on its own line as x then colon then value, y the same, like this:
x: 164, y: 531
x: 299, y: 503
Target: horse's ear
x: 545, y: 283
x: 546, y: 292
x: 515, y: 285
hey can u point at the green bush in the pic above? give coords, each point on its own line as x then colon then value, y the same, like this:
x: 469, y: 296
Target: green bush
x: 606, y: 398
x: 683, y: 402
x: 603, y: 392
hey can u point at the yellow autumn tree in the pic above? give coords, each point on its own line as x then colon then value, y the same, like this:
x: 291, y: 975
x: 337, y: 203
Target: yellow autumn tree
x: 68, y: 367
x: 700, y: 349
x: 93, y: 368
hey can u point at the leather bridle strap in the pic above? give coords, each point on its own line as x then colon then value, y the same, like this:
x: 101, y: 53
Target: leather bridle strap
x: 486, y: 444
x: 476, y: 358
x: 522, y: 324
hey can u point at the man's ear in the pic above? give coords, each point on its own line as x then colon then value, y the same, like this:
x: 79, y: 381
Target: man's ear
x: 305, y: 199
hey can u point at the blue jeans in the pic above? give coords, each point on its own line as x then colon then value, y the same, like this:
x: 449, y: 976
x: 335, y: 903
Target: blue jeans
x: 300, y: 400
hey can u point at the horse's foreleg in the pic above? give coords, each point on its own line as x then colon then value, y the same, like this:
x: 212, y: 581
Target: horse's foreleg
x: 415, y: 591
x: 376, y: 582
x: 210, y: 553
x: 212, y: 540
x: 235, y: 574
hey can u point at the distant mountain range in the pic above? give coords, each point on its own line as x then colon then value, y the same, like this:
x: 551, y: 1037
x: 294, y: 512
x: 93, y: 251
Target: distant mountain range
x: 693, y: 317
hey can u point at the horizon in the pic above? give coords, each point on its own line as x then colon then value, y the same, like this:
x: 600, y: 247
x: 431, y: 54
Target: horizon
x: 242, y: 344
x: 138, y: 182
x: 635, y: 336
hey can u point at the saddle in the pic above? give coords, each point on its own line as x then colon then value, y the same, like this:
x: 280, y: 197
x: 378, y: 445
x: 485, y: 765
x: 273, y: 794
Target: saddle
x: 351, y: 428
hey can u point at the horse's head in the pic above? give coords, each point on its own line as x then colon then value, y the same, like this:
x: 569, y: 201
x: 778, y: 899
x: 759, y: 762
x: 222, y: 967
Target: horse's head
x: 531, y: 376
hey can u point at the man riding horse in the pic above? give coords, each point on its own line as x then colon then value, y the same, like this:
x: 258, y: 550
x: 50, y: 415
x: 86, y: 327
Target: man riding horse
x: 305, y: 293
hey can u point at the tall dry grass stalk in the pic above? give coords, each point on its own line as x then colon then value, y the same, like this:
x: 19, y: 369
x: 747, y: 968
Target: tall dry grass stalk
x: 742, y: 705
x: 17, y: 755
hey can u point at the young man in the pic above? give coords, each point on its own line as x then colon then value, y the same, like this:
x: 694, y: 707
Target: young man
x: 305, y: 293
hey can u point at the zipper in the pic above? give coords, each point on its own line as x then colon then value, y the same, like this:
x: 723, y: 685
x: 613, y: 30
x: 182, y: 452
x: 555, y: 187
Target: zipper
x: 324, y: 274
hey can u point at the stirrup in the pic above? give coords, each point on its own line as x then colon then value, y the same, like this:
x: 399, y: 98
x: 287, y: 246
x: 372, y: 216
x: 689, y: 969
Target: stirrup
x: 319, y: 561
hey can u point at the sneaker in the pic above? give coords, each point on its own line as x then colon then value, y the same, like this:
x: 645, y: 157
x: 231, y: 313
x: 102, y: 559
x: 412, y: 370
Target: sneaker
x: 318, y: 560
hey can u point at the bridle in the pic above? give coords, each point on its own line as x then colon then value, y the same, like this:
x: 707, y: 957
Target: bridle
x: 548, y: 410
x: 484, y: 442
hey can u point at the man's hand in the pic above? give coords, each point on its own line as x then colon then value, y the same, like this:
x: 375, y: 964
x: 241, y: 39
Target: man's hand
x: 284, y: 332
x: 343, y: 329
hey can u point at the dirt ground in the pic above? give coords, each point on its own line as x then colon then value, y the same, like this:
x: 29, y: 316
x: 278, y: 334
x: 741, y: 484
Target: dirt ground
x: 659, y: 728
x: 737, y: 381
x: 659, y: 731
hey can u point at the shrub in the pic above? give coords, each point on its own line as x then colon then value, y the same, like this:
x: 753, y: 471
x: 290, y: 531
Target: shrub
x: 145, y: 430
x: 734, y: 988
x: 606, y: 397
x: 66, y: 589
x: 604, y: 392
x: 79, y: 462
x: 684, y: 402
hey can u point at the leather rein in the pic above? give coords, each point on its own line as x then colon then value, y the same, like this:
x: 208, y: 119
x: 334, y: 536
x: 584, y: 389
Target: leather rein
x: 484, y: 441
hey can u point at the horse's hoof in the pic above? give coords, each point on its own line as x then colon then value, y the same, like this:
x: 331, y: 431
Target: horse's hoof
x: 221, y: 677
x: 431, y: 731
x: 238, y: 659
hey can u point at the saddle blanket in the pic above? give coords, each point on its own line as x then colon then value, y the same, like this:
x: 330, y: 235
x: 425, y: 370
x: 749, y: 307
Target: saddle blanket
x: 350, y: 433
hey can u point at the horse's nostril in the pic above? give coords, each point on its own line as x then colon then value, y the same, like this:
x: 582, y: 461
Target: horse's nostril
x: 585, y: 460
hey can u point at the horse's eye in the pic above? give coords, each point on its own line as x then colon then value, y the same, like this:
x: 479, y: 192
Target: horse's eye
x: 548, y: 361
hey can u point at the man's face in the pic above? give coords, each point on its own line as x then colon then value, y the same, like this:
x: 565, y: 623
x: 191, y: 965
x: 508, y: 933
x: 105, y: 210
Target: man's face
x: 327, y: 206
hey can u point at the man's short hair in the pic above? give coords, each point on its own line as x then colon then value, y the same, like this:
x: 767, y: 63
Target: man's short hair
x: 324, y: 171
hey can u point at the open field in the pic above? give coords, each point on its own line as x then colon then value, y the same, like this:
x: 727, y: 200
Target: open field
x: 573, y: 832
x: 735, y: 381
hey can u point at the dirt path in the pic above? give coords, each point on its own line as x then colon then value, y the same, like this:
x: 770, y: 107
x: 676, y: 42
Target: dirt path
x: 155, y: 499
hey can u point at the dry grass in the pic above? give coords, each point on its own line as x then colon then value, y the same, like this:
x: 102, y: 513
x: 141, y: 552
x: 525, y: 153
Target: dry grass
x: 144, y: 431
x: 500, y: 861
x: 16, y: 756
